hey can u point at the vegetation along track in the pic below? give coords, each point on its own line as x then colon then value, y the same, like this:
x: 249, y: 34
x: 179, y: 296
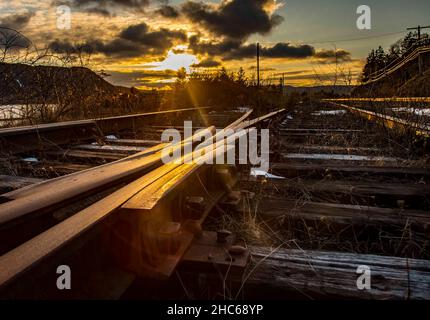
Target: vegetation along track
x: 345, y: 190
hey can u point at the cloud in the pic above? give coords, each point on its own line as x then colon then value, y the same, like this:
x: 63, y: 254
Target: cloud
x: 106, y: 7
x: 160, y: 39
x: 286, y: 50
x: 168, y: 11
x: 133, y: 41
x: 16, y: 21
x: 231, y: 49
x: 122, y: 3
x: 119, y: 48
x: 207, y: 63
x: 237, y: 19
x: 330, y: 56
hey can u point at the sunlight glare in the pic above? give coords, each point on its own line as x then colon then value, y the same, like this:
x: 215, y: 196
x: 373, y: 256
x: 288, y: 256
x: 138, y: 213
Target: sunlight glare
x: 175, y: 61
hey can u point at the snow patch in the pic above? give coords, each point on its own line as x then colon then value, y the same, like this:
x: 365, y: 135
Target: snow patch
x: 328, y: 112
x: 30, y: 159
x: 418, y: 112
x: 242, y: 109
x: 257, y: 172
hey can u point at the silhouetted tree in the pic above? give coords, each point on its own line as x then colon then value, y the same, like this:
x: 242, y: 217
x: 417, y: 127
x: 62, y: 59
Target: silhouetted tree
x: 241, y: 76
x: 377, y: 59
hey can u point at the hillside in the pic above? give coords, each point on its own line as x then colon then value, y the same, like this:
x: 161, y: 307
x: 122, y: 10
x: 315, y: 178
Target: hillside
x: 404, y: 81
x: 21, y: 83
x: 418, y: 86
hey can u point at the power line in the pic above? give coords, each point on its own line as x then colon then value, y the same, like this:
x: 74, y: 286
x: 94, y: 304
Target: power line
x: 420, y: 58
x: 360, y: 38
x: 350, y: 39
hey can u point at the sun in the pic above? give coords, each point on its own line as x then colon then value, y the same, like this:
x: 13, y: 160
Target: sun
x: 175, y: 61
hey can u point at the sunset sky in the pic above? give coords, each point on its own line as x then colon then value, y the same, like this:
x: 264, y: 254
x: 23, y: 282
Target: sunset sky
x: 142, y: 43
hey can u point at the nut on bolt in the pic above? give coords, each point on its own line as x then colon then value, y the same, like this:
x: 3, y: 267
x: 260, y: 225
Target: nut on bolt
x: 222, y: 236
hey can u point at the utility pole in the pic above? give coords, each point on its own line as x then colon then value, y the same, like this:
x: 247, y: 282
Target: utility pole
x: 258, y: 64
x: 420, y: 60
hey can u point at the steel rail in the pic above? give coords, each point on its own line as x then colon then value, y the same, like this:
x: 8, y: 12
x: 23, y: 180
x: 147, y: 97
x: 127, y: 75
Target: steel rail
x: 51, y: 193
x: 67, y: 124
x: 27, y: 138
x: 389, y: 121
x: 393, y: 99
x: 23, y: 257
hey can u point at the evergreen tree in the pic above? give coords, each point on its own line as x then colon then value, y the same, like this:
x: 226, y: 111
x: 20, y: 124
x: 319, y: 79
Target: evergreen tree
x: 241, y: 77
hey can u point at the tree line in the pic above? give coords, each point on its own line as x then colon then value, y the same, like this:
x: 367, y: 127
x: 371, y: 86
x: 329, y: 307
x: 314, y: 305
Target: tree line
x: 378, y: 59
x: 224, y: 90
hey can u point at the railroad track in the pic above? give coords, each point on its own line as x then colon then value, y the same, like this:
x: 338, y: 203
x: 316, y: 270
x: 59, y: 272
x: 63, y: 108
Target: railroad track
x: 340, y: 194
x: 374, y: 112
x: 27, y: 138
x: 343, y: 193
x: 150, y: 211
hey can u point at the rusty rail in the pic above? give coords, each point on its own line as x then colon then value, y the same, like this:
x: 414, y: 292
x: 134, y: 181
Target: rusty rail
x: 163, y: 184
x: 27, y: 138
x: 389, y: 121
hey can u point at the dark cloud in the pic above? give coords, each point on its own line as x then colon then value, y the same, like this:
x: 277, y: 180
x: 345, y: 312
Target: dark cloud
x: 135, y: 40
x: 279, y: 50
x: 119, y: 3
x: 229, y: 49
x: 235, y: 19
x: 232, y: 49
x: 100, y: 11
x: 213, y: 48
x: 63, y: 46
x: 135, y: 32
x: 207, y: 63
x: 329, y: 56
x: 120, y: 48
x: 168, y: 11
x: 16, y: 21
x: 160, y: 39
x: 106, y: 7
